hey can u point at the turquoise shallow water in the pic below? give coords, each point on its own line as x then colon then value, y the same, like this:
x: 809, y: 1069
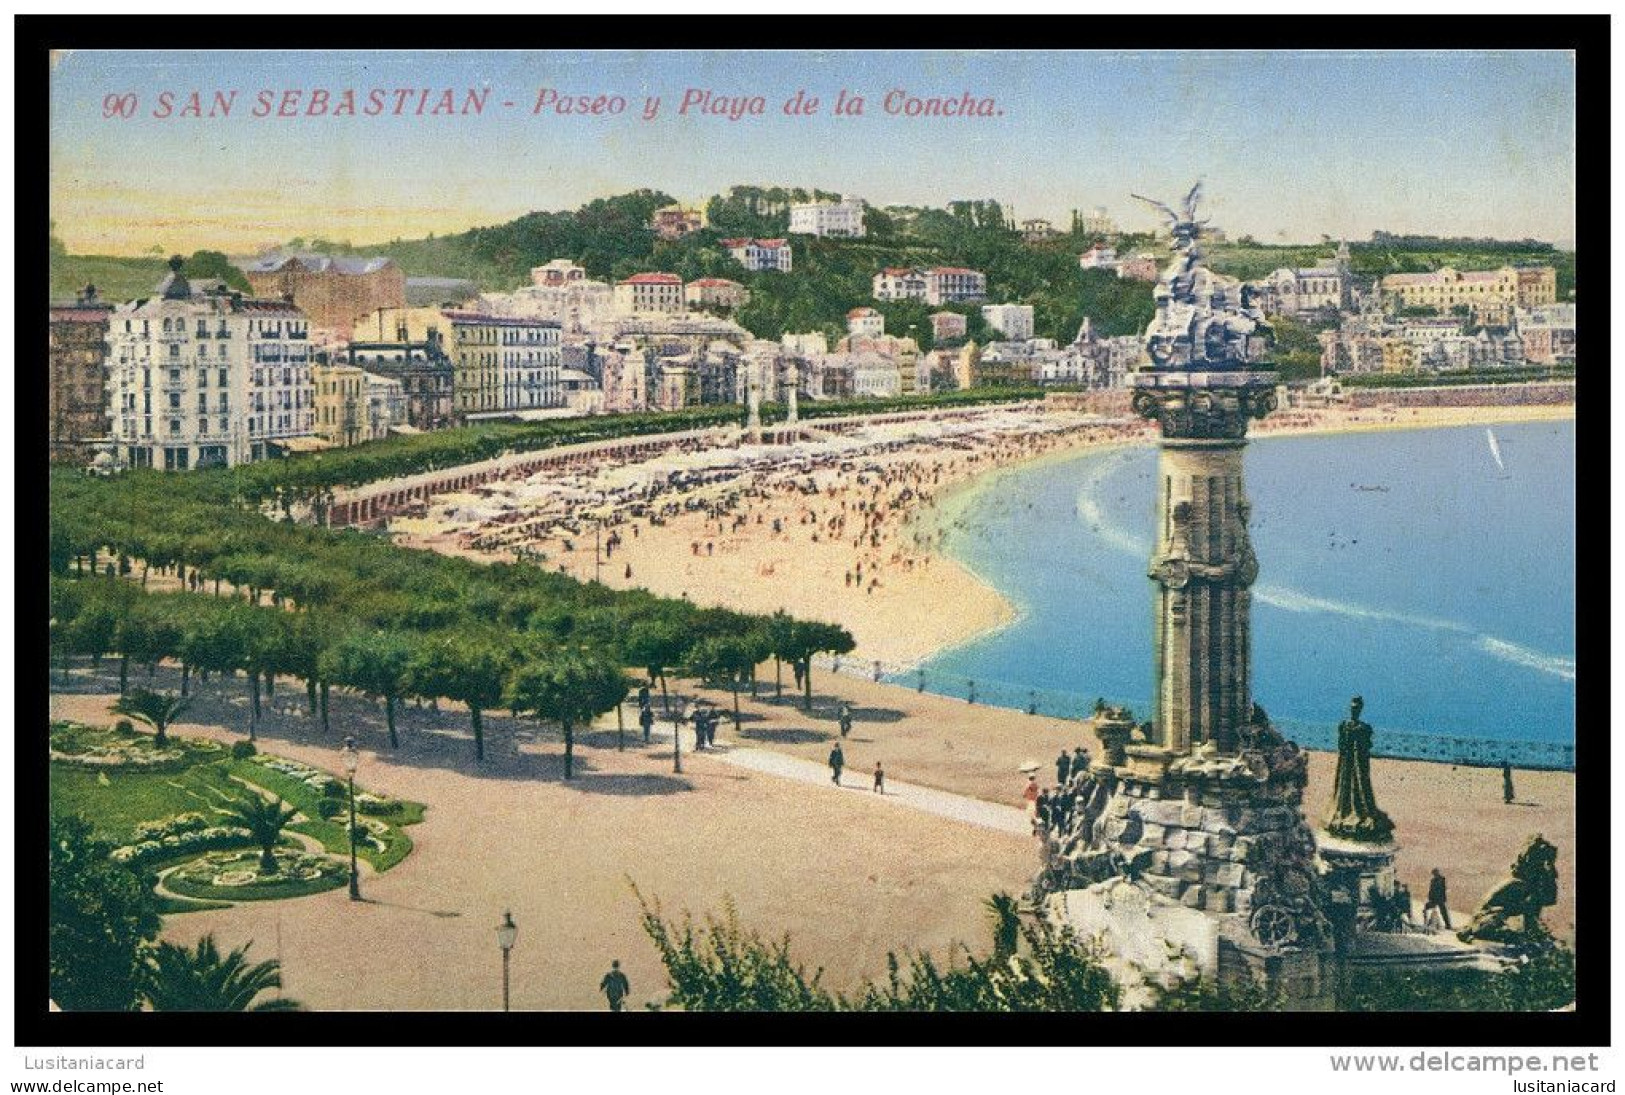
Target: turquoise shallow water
x: 1407, y: 566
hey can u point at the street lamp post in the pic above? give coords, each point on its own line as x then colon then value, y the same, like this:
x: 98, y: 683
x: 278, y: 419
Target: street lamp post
x: 507, y: 932
x: 677, y: 739
x: 351, y: 759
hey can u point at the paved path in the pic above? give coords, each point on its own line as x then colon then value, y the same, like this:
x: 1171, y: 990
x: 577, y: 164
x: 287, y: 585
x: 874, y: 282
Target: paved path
x: 972, y: 811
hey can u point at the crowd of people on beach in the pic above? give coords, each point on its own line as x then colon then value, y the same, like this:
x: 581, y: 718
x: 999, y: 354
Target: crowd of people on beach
x: 861, y: 492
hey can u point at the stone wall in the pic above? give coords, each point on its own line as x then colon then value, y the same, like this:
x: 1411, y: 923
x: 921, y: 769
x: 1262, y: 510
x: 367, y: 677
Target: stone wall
x: 1465, y: 395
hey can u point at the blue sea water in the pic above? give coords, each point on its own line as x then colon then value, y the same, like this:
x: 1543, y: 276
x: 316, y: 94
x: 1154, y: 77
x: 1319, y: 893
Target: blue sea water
x: 1406, y: 566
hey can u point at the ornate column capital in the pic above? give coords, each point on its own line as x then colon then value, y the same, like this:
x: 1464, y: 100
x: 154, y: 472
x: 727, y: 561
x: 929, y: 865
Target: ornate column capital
x: 1204, y: 406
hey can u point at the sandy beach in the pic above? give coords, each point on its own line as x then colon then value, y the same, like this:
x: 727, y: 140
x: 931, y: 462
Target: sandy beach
x: 759, y: 542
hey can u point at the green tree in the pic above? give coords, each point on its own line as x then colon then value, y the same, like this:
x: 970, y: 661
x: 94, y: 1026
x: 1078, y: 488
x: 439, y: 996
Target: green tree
x: 201, y: 979
x: 102, y: 918
x: 378, y: 663
x: 809, y: 638
x: 725, y: 658
x: 158, y: 710
x: 657, y: 645
x: 264, y: 819
x: 468, y: 668
x: 570, y: 689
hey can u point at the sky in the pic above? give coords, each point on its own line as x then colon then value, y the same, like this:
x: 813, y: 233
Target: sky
x: 1290, y: 146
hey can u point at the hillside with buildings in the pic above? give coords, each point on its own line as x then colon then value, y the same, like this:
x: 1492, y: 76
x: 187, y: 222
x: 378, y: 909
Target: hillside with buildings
x: 639, y: 302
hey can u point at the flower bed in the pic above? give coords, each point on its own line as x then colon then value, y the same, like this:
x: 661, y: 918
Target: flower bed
x: 238, y: 876
x: 89, y: 747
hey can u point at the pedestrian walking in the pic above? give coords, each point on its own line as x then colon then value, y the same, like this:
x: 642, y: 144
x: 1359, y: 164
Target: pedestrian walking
x: 646, y: 719
x: 970, y: 691
x: 1506, y: 782
x: 845, y: 718
x: 837, y: 761
x: 1029, y: 795
x: 880, y: 779
x: 1063, y: 768
x: 615, y: 986
x: 1438, y: 899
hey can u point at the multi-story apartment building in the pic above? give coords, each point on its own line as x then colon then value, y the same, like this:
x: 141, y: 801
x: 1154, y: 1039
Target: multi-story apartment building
x: 955, y: 285
x: 760, y: 254
x: 936, y: 286
x: 842, y: 218
x: 652, y: 292
x: 421, y: 368
x: 899, y: 283
x: 500, y: 363
x: 476, y: 362
x: 716, y: 293
x: 341, y: 403
x: 1036, y: 230
x: 207, y: 379
x: 673, y: 222
x: 386, y: 405
x: 1490, y: 295
x: 331, y: 290
x: 1014, y: 321
x: 1547, y: 333
x: 865, y: 322
x: 78, y: 401
x: 528, y: 373
x: 1537, y: 286
x: 948, y: 327
x: 874, y: 376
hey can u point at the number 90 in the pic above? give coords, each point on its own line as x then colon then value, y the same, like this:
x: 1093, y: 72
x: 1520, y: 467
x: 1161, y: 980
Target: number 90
x: 119, y: 106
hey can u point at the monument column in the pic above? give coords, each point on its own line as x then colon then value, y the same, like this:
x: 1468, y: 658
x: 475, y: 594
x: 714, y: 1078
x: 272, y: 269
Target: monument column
x: 1203, y: 563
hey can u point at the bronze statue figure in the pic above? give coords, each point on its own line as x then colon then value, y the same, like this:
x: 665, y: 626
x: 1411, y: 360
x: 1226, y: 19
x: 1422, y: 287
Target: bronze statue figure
x: 1532, y: 887
x: 1354, y: 813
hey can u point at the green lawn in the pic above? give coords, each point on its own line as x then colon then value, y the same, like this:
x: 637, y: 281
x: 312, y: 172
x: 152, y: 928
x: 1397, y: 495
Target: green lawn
x: 117, y: 799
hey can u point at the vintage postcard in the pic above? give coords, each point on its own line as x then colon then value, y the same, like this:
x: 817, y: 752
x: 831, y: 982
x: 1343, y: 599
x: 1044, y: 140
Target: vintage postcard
x: 914, y: 530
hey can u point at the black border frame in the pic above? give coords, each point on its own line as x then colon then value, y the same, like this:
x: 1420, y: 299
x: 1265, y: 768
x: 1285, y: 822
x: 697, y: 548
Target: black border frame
x: 1588, y: 1025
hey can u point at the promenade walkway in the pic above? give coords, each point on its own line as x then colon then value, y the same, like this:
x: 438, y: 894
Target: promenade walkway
x: 859, y: 780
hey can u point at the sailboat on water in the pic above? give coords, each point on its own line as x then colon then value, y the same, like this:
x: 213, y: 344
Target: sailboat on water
x: 1495, y: 451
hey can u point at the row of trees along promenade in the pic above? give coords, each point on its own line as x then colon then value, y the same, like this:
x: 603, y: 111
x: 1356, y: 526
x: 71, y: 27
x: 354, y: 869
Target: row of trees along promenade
x: 272, y: 598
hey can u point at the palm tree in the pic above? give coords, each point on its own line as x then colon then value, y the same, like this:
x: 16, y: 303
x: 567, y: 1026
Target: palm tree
x: 1004, y: 914
x: 180, y: 979
x: 157, y: 709
x: 264, y: 819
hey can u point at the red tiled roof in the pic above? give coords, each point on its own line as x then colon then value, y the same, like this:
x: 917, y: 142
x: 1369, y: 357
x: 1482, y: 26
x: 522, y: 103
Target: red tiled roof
x: 954, y: 270
x: 771, y: 245
x: 653, y: 279
x: 854, y: 313
x: 736, y: 243
x: 716, y: 283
